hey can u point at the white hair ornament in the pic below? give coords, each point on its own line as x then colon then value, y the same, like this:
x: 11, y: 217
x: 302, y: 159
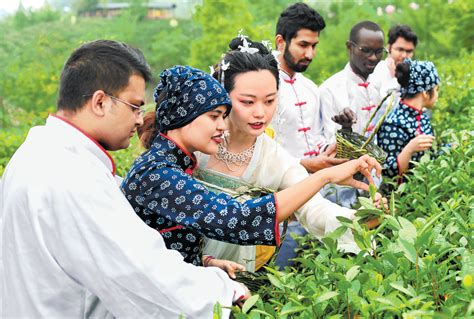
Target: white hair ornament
x: 224, y: 66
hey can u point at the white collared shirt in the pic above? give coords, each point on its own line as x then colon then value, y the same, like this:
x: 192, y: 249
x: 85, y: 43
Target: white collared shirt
x: 346, y: 89
x: 297, y: 121
x: 72, y: 246
x: 383, y: 80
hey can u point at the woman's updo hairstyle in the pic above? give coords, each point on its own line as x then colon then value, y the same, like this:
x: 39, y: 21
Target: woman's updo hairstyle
x: 402, y: 72
x: 240, y: 60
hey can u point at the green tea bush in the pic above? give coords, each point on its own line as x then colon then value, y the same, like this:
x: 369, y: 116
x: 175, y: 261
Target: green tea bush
x: 455, y: 107
x: 14, y: 124
x: 9, y: 143
x: 418, y: 263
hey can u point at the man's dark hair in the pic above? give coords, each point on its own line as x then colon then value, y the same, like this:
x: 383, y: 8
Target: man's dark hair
x: 99, y: 65
x: 368, y: 25
x: 402, y: 31
x: 296, y: 17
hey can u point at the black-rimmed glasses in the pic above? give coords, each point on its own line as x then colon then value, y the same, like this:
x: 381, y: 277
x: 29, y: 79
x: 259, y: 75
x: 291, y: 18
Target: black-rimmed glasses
x: 369, y: 51
x: 403, y: 50
x: 136, y: 109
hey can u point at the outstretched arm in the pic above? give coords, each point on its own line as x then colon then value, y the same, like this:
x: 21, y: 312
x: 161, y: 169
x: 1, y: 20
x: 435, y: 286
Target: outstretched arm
x: 291, y: 199
x: 420, y: 143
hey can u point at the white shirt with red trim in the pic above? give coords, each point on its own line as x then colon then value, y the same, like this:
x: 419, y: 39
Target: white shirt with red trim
x: 346, y: 89
x: 297, y: 122
x: 383, y: 80
x: 72, y: 246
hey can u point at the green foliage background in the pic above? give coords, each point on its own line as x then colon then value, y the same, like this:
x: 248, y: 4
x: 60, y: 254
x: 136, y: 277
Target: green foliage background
x: 422, y: 277
x: 35, y: 44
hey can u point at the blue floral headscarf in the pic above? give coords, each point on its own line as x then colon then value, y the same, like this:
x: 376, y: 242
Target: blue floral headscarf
x: 423, y: 77
x: 186, y: 93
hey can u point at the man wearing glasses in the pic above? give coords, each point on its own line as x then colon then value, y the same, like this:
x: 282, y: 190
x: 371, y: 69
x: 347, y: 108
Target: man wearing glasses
x: 348, y: 96
x: 72, y: 246
x: 401, y: 45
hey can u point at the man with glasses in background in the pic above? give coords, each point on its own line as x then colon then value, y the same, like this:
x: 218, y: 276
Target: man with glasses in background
x: 348, y: 97
x: 71, y: 244
x: 401, y: 45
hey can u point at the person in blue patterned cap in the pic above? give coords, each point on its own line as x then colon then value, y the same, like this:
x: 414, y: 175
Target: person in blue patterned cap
x: 190, y: 110
x: 407, y: 133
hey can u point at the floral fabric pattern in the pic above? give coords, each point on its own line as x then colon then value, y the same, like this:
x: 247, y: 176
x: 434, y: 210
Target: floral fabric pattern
x: 402, y: 124
x: 183, y: 94
x: 423, y: 77
x: 167, y: 198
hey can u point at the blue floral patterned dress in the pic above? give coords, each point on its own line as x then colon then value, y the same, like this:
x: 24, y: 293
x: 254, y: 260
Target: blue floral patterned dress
x: 402, y: 124
x: 163, y: 193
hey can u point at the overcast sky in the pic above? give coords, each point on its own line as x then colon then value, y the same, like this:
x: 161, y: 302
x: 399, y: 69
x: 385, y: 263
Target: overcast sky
x: 10, y: 6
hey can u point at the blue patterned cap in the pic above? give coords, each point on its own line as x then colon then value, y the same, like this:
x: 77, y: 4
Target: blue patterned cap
x: 186, y: 93
x: 423, y: 77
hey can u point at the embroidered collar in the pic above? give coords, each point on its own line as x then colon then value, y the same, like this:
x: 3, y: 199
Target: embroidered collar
x: 414, y: 111
x: 173, y: 152
x: 286, y: 77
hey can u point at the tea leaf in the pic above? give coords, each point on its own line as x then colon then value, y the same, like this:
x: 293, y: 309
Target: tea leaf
x: 470, y: 309
x: 366, y: 203
x: 408, y: 230
x: 402, y: 188
x: 258, y: 311
x: 330, y: 243
x: 217, y: 313
x: 408, y: 250
x: 352, y: 273
x: 431, y: 221
x: 344, y: 220
x: 253, y: 315
x: 275, y: 281
x: 372, y: 191
x: 425, y: 158
x: 385, y: 301
x: 337, y: 233
x: 292, y: 310
x: 249, y: 303
x: 355, y: 286
x: 326, y: 296
x: 399, y: 286
x: 364, y: 213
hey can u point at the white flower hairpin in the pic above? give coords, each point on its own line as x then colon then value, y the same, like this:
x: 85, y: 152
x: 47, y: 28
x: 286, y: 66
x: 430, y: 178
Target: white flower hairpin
x: 245, y: 47
x: 224, y: 66
x: 267, y: 44
x: 241, y: 34
x: 211, y: 69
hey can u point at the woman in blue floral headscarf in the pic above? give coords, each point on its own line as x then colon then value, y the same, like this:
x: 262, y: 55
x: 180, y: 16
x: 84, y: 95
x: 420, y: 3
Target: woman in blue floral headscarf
x: 190, y: 111
x: 406, y: 133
